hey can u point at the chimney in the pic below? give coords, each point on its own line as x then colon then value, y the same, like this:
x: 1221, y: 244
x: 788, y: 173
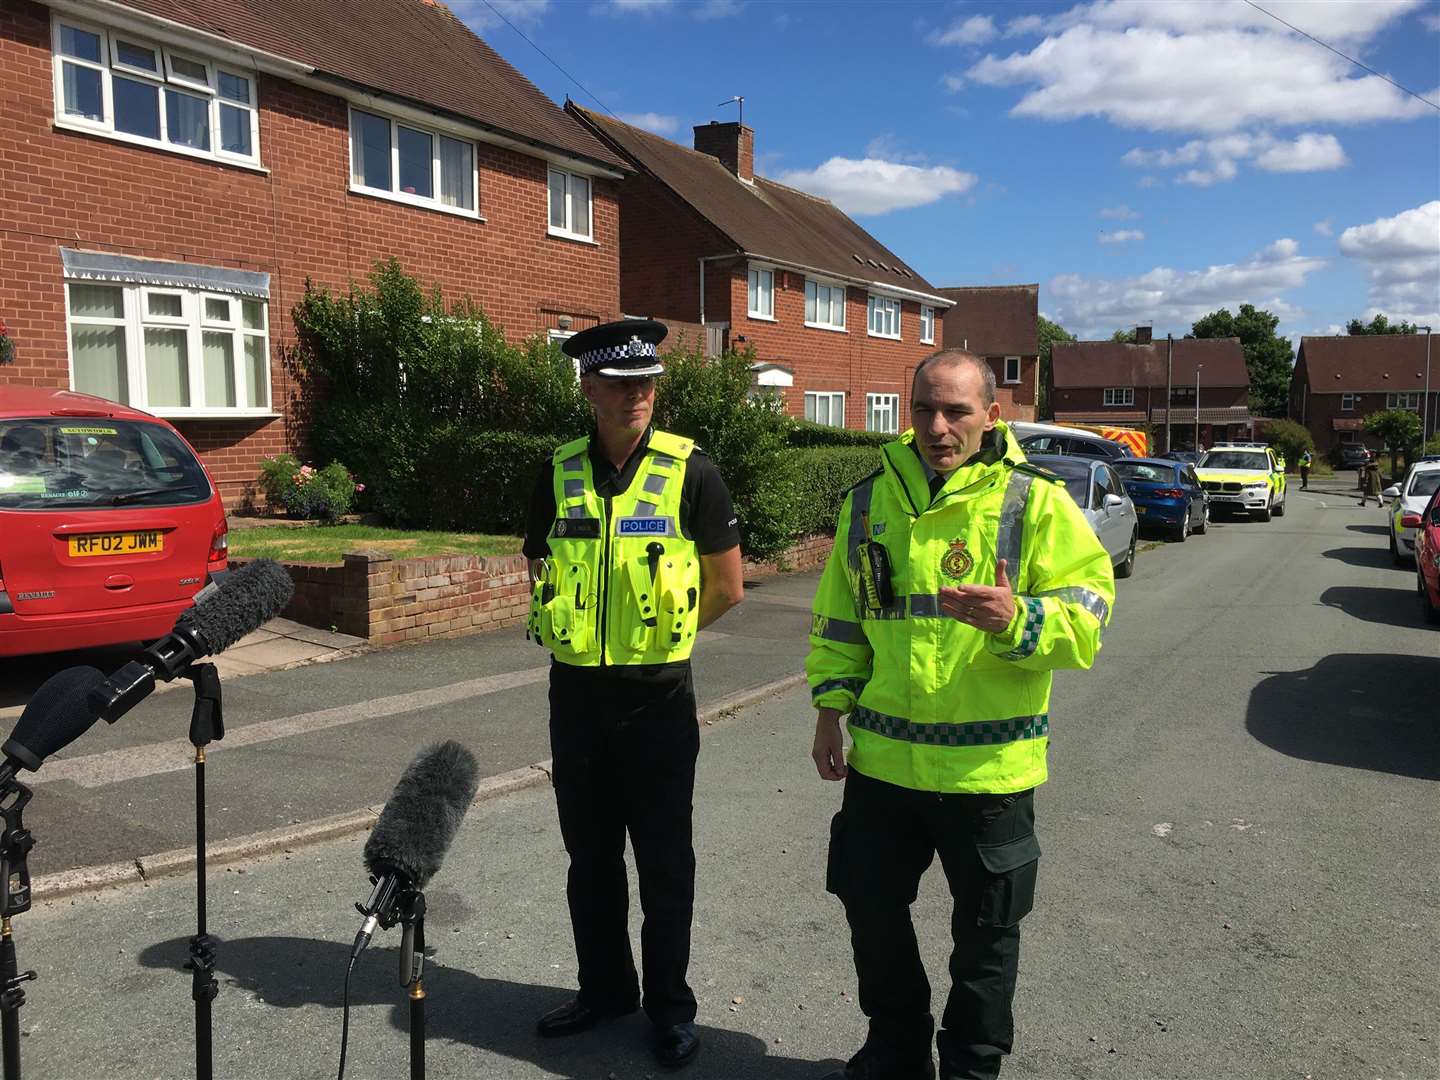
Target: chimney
x: 732, y: 144
x: 1142, y: 335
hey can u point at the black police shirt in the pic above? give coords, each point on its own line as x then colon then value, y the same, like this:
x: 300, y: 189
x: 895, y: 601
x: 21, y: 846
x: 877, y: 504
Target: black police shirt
x: 706, y: 516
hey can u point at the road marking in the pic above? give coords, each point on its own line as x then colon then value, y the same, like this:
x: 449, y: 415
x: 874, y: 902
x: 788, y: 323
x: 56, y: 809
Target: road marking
x: 173, y: 755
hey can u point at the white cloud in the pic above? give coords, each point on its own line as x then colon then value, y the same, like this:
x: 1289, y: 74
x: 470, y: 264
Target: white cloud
x: 1208, y: 66
x: 1121, y: 236
x: 1119, y: 213
x: 976, y: 30
x: 719, y: 9
x: 1093, y: 306
x: 1219, y: 156
x: 1401, y: 257
x: 877, y: 186
x: 641, y: 7
x: 1325, y: 227
x: 480, y: 17
x: 1430, y: 22
x: 660, y: 125
x: 889, y: 147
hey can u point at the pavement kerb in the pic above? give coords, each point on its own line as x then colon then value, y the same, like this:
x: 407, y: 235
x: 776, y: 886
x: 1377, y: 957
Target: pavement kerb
x: 88, y: 879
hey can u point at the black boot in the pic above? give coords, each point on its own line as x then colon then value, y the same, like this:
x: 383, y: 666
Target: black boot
x: 871, y: 1063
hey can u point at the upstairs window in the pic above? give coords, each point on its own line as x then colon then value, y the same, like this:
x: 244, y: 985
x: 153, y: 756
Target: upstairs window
x: 112, y: 83
x: 1403, y: 401
x: 927, y: 325
x: 1347, y: 402
x: 760, y: 302
x: 570, y: 205
x: 824, y: 305
x: 1119, y: 395
x: 884, y: 317
x: 411, y: 164
x: 1012, y: 369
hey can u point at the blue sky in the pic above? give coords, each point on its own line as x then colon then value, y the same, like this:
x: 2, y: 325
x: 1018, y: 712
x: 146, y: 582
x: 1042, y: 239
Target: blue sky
x: 1144, y: 160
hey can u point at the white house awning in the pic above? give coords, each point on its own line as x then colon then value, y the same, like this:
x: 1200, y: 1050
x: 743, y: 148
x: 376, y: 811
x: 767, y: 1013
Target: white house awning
x: 132, y: 270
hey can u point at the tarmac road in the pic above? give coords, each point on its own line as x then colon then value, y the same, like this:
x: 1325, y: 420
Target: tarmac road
x: 1239, y: 876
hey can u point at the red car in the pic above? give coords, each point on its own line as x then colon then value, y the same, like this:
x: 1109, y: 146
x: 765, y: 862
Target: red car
x: 109, y: 523
x: 1427, y: 556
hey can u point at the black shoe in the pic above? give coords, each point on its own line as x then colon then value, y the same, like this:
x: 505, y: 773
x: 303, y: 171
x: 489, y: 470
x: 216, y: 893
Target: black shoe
x: 867, y: 1064
x: 576, y: 1016
x: 676, y: 1045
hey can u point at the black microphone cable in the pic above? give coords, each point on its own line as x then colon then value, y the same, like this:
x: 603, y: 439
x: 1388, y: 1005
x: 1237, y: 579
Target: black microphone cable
x: 345, y: 1014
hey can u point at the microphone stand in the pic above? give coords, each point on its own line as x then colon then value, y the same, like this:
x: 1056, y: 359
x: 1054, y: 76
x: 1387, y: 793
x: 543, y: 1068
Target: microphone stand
x: 412, y: 963
x: 15, y: 845
x: 206, y: 724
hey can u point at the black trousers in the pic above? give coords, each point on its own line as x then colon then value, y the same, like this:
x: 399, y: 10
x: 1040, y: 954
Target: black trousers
x: 882, y: 842
x: 624, y: 762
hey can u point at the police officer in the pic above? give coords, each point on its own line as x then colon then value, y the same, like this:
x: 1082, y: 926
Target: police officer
x: 634, y: 547
x: 960, y: 579
x: 1370, y: 480
x: 1306, y: 459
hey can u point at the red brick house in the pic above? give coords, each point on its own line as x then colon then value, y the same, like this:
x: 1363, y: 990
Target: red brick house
x: 999, y: 322
x: 171, y: 171
x: 1105, y: 382
x: 837, y: 321
x: 1339, y: 381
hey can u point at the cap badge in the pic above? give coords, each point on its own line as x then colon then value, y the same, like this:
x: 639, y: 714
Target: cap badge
x: 636, y: 347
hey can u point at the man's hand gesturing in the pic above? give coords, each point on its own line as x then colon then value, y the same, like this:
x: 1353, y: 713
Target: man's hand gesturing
x: 985, y: 607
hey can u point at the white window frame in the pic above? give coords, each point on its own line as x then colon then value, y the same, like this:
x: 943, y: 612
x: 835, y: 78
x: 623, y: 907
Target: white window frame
x: 569, y: 232
x: 1008, y: 381
x: 1402, y: 399
x: 878, y: 310
x: 555, y: 336
x: 759, y: 273
x: 163, y: 78
x: 136, y: 316
x: 817, y: 323
x: 1347, y: 402
x: 811, y: 411
x: 927, y: 325
x: 883, y: 403
x: 1119, y: 396
x: 394, y: 194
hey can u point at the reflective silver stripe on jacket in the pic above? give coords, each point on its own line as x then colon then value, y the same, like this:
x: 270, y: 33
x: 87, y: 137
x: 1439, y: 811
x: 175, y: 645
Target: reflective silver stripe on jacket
x: 843, y: 631
x: 1012, y: 522
x: 573, y: 464
x: 854, y: 686
x: 976, y: 733
x: 860, y: 496
x: 1090, y: 601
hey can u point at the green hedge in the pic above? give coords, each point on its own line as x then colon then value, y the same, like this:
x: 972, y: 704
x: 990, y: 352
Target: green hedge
x: 807, y: 433
x: 822, y: 475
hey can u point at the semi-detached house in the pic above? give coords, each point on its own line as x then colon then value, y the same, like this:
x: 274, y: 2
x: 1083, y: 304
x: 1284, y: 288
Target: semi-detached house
x: 1339, y: 381
x: 172, y: 171
x: 837, y: 321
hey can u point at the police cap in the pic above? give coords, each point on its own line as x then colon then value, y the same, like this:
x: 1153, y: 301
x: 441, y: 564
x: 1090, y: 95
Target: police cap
x: 623, y: 349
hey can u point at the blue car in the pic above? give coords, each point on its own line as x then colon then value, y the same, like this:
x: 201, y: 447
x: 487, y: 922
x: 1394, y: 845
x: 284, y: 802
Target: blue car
x: 1167, y: 495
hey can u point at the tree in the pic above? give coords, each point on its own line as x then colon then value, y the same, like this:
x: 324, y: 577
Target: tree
x: 1400, y: 430
x: 1379, y: 325
x: 1046, y: 334
x: 1124, y: 337
x: 1268, y: 356
x: 1290, y: 439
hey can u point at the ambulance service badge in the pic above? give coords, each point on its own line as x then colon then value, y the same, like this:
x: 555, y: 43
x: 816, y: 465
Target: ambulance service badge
x: 957, y: 561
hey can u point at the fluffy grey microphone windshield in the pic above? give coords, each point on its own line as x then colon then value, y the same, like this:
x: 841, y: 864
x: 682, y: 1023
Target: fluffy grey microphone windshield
x: 246, y: 600
x: 420, y: 819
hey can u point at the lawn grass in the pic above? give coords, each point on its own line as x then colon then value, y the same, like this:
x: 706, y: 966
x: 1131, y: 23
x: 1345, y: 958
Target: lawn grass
x: 329, y: 543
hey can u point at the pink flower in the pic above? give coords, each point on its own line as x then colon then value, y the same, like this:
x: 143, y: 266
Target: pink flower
x: 359, y: 487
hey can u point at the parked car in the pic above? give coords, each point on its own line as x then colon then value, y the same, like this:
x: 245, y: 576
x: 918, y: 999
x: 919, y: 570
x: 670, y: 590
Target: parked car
x: 109, y: 523
x: 1427, y: 557
x: 1243, y: 476
x: 1408, y: 499
x: 1354, y: 455
x: 1166, y: 494
x: 1055, y: 439
x: 1100, y: 494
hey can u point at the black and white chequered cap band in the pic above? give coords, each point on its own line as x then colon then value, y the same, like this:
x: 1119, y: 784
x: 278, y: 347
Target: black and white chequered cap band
x: 627, y: 355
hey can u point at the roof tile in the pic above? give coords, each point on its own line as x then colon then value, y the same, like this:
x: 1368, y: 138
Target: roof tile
x: 994, y: 320
x: 1367, y: 362
x: 1110, y: 363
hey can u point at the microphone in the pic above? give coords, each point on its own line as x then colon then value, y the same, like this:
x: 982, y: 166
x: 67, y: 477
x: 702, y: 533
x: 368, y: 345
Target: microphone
x: 414, y: 831
x: 56, y: 715
x: 223, y: 614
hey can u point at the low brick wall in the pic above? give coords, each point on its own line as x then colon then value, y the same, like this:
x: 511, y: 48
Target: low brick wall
x: 387, y: 600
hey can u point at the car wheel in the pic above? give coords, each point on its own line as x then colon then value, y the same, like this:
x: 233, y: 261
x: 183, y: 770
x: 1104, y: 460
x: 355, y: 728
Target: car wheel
x: 1263, y: 515
x: 1204, y: 526
x: 1395, y: 550
x: 1127, y: 566
x: 1184, y: 530
x: 1280, y: 509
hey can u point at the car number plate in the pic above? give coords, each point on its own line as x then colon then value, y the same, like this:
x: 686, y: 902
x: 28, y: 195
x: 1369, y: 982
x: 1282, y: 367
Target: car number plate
x: 122, y: 543
x: 1139, y: 509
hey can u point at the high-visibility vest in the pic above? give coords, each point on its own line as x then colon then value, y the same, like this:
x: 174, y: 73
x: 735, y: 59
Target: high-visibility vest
x: 622, y: 582
x: 935, y: 704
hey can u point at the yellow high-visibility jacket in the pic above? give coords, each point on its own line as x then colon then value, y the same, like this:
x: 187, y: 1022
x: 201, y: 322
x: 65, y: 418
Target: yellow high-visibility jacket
x: 935, y: 704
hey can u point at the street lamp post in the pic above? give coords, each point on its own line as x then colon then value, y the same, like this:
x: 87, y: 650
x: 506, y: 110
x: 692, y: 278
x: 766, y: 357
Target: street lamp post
x: 1197, y: 406
x: 1425, y: 411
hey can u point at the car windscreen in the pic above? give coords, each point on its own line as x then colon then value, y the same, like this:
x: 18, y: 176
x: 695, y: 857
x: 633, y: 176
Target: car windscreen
x: 83, y: 464
x: 1235, y: 459
x: 1074, y: 471
x: 1424, y: 484
x: 1153, y: 474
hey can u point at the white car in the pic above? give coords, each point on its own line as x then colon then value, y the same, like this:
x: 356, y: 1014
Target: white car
x: 1243, y: 476
x: 1409, y: 497
x: 1100, y: 494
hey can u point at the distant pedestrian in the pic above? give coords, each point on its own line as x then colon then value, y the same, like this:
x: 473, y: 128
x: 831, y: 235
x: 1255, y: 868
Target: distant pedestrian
x: 1370, y: 481
x: 1305, y: 462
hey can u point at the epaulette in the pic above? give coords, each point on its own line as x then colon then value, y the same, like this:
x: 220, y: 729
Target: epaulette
x: 862, y: 480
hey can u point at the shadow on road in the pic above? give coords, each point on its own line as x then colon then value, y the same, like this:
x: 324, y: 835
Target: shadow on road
x: 20, y: 676
x: 1378, y: 557
x: 1373, y: 530
x: 1391, y: 607
x: 490, y: 1014
x: 1372, y: 712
